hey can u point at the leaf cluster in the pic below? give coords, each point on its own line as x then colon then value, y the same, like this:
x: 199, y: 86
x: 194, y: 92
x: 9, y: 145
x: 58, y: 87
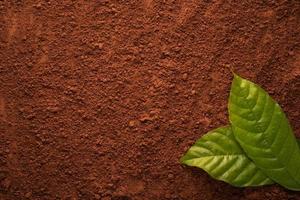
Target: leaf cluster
x: 257, y: 148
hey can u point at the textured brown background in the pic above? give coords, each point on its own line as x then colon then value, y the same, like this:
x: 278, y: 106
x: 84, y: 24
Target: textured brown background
x: 99, y: 99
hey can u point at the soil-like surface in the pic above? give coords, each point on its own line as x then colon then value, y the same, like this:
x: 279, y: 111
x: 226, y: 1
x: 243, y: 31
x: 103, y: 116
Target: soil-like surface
x: 99, y: 99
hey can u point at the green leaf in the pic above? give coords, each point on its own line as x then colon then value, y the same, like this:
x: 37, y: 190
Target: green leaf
x: 264, y: 133
x: 220, y: 155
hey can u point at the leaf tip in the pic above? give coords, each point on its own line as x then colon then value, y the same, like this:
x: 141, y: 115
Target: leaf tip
x: 236, y: 77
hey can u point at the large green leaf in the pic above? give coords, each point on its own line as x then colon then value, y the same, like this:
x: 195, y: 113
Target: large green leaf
x: 220, y: 155
x: 264, y: 133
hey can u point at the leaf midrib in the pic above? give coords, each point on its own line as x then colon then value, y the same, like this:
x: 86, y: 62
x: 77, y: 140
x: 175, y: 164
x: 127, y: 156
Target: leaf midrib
x: 232, y: 155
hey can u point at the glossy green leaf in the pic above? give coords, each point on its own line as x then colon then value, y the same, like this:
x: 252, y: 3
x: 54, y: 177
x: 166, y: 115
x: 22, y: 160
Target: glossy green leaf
x: 220, y: 155
x: 264, y: 133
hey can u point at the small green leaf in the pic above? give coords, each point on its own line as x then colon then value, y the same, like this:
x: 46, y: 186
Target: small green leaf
x: 220, y: 155
x: 263, y: 131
